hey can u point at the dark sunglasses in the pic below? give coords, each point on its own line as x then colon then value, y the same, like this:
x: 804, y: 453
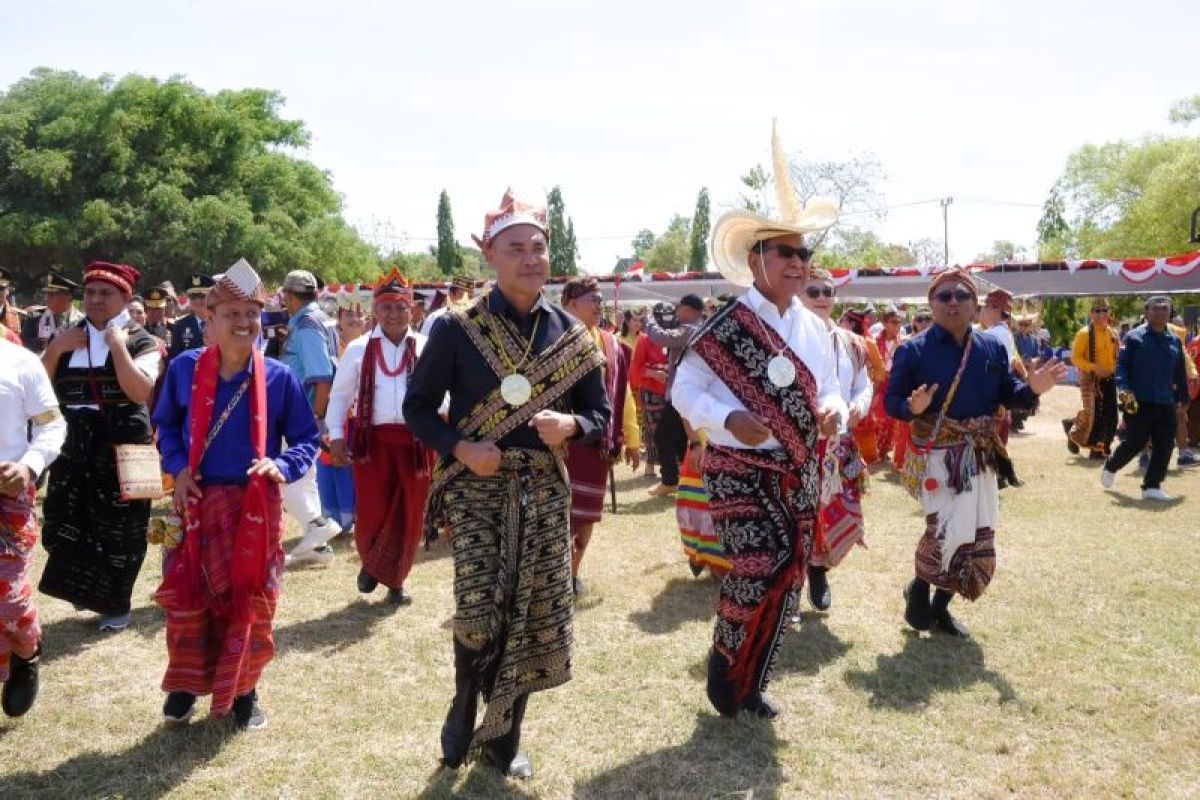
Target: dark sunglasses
x: 787, y: 251
x: 922, y: 319
x: 814, y: 292
x: 1100, y: 310
x: 946, y: 295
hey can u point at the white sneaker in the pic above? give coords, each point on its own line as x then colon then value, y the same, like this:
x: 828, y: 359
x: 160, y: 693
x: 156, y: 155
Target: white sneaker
x: 321, y: 555
x: 1156, y: 494
x: 1107, y: 478
x: 316, y: 534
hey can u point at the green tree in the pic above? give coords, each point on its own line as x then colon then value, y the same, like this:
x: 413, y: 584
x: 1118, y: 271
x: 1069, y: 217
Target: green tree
x: 449, y: 260
x: 165, y: 176
x: 642, y: 242
x: 1052, y: 228
x: 563, y: 250
x: 854, y: 247
x: 701, y: 226
x: 672, y: 250
x: 1002, y: 252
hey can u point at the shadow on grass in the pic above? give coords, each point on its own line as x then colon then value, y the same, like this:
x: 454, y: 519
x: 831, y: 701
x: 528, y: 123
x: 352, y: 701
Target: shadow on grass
x: 645, y: 505
x: 79, y: 632
x: 681, y: 600
x: 723, y: 758
x: 149, y: 769
x: 908, y: 680
x: 338, y: 629
x: 811, y: 647
x: 634, y: 483
x: 477, y: 780
x: 1124, y: 501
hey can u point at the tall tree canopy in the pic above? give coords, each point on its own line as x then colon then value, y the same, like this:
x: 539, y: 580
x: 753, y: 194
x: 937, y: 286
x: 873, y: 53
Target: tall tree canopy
x: 449, y: 260
x: 701, y: 227
x: 564, y: 250
x: 165, y: 176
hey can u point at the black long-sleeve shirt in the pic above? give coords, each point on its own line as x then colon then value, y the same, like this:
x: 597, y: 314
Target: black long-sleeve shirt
x: 451, y: 363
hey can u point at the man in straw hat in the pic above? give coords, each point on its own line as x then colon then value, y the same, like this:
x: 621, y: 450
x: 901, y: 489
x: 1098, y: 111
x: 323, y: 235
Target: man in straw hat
x: 1094, y: 354
x: 222, y: 417
x: 524, y: 379
x: 391, y: 468
x: 759, y: 379
x: 949, y: 382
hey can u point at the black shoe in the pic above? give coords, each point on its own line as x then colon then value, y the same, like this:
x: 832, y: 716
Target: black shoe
x: 248, y: 715
x: 818, y: 588
x: 519, y: 767
x: 577, y: 586
x: 761, y: 705
x: 1067, y: 424
x: 718, y: 688
x: 179, y: 707
x: 21, y: 688
x: 399, y: 597
x: 366, y: 583
x: 697, y: 569
x: 944, y: 622
x: 916, y: 609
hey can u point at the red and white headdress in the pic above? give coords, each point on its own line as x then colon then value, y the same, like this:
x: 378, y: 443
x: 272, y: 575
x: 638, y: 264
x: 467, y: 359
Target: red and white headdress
x: 239, y: 282
x: 122, y: 276
x: 513, y: 211
x: 393, y: 287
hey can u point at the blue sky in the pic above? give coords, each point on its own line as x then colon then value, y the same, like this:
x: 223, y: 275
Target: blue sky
x: 631, y: 107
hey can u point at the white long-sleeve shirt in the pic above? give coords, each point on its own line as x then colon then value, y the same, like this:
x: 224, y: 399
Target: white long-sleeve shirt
x: 27, y: 395
x: 389, y: 391
x: 705, y: 401
x: 855, y: 383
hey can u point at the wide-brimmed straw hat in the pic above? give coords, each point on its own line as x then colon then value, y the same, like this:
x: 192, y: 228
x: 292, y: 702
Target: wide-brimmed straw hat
x: 736, y: 232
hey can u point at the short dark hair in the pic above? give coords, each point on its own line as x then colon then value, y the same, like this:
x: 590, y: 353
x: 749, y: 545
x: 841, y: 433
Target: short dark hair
x: 692, y: 301
x: 306, y: 297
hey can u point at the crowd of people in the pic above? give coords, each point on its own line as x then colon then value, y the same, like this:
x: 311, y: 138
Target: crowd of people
x: 495, y: 421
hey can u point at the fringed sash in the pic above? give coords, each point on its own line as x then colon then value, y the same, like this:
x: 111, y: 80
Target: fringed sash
x: 364, y: 414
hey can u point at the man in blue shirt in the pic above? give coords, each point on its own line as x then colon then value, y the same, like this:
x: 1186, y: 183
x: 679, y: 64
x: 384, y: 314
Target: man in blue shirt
x: 310, y: 352
x: 1152, y: 383
x: 949, y: 382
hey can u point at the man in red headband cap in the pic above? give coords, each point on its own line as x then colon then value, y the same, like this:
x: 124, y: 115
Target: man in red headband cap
x: 948, y: 382
x: 391, y: 469
x: 104, y: 371
x: 524, y: 378
x: 222, y: 415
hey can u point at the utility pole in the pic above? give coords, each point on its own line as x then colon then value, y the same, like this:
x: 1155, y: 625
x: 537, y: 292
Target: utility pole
x: 946, y: 201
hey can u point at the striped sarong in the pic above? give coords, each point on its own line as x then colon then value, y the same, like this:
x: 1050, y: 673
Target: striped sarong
x: 842, y: 517
x: 701, y: 544
x: 207, y: 651
x: 587, y: 468
x: 19, y: 626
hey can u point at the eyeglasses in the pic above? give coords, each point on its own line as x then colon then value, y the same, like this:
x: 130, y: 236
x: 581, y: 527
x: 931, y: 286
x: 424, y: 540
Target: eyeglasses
x: 1005, y: 315
x: 787, y: 251
x: 946, y: 295
x: 922, y: 319
x: 814, y: 292
x: 1100, y: 310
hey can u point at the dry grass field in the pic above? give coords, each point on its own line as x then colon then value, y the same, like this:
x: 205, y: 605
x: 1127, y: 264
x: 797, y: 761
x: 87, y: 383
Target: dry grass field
x: 1082, y: 678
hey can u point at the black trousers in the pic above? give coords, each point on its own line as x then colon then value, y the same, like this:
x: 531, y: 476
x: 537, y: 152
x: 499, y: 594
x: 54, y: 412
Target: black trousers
x: 1154, y: 423
x: 460, y: 721
x: 670, y: 438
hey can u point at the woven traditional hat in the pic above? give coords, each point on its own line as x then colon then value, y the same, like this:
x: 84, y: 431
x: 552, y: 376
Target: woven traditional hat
x: 736, y: 232
x: 239, y: 282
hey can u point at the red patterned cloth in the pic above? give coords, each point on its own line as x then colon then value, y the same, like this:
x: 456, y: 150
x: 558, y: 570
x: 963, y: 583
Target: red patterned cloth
x: 391, y: 484
x: 19, y: 626
x: 220, y: 585
x: 209, y: 651
x: 587, y: 467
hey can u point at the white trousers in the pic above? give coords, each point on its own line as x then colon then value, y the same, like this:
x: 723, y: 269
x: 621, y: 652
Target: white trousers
x: 301, y: 500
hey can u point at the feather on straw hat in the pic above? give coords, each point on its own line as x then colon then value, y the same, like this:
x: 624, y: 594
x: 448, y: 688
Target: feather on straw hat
x: 736, y: 232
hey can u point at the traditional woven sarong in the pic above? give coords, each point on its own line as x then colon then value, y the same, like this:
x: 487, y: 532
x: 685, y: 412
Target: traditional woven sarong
x: 19, y: 627
x: 392, y: 483
x: 652, y: 408
x: 763, y: 502
x: 208, y: 652
x: 96, y: 540
x: 512, y: 579
x: 1096, y: 423
x: 961, y: 499
x: 587, y: 468
x: 842, y: 517
x: 701, y: 544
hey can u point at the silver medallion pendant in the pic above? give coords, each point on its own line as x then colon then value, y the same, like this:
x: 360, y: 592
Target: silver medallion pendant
x: 516, y: 390
x: 781, y: 371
